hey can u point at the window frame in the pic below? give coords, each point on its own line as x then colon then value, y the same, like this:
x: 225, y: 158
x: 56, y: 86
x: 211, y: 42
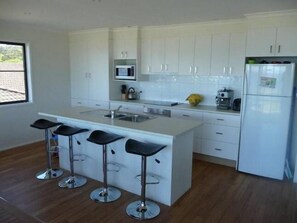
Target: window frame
x: 25, y: 71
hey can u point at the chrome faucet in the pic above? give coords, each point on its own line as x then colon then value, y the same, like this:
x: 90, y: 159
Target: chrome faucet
x: 113, y: 113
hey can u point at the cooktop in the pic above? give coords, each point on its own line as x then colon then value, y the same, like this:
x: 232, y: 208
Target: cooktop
x: 162, y: 103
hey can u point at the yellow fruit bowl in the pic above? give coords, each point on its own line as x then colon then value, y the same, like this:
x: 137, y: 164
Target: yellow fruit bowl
x: 194, y: 99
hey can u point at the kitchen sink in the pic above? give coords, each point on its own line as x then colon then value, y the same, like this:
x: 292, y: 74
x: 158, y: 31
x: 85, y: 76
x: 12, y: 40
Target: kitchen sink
x: 136, y: 118
x: 115, y: 116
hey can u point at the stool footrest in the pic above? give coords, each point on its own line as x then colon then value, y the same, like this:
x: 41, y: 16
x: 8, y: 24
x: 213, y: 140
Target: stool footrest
x: 79, y: 157
x: 113, y: 167
x: 150, y: 178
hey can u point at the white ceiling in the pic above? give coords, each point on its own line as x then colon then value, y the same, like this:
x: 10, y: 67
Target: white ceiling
x: 71, y: 15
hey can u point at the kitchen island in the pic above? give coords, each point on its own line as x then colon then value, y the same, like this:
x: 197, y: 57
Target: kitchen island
x: 172, y: 166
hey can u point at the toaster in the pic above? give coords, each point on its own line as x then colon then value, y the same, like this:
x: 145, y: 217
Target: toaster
x: 236, y: 104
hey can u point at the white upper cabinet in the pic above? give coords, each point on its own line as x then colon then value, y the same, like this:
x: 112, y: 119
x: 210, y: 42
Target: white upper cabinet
x: 228, y: 53
x: 194, y: 54
x: 164, y: 55
x: 125, y: 43
x: 89, y: 66
x: 279, y: 41
x: 146, y: 56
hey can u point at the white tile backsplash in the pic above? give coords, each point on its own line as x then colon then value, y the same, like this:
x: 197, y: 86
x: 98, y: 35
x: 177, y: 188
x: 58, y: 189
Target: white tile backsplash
x: 178, y: 87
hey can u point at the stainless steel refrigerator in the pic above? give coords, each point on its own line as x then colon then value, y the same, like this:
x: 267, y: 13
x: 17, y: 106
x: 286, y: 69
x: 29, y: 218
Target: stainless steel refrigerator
x: 265, y: 119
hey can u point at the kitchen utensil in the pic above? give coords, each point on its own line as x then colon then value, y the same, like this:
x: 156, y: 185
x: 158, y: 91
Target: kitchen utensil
x: 236, y: 104
x: 132, y: 94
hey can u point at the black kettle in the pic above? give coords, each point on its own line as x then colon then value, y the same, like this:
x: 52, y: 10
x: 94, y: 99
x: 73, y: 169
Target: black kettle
x: 132, y: 95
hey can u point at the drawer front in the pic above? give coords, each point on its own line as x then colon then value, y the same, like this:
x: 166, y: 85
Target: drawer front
x: 187, y: 115
x: 220, y: 119
x: 221, y: 133
x: 220, y: 149
x: 79, y: 102
x: 99, y: 104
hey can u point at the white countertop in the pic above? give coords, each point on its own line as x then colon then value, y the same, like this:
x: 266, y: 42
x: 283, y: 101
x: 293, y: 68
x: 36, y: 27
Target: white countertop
x: 170, y: 127
x: 185, y: 106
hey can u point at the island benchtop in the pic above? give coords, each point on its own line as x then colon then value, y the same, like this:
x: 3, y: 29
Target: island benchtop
x: 164, y: 126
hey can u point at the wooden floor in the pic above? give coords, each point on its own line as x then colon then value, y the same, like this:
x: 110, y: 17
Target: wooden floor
x: 218, y: 194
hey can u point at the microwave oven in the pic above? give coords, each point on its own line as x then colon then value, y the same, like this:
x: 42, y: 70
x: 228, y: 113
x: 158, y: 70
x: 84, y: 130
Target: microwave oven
x: 125, y: 72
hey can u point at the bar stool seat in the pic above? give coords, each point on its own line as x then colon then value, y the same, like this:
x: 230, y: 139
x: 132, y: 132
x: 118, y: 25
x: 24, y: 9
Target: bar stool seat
x: 143, y: 209
x: 73, y: 181
x: 49, y: 173
x: 106, y: 193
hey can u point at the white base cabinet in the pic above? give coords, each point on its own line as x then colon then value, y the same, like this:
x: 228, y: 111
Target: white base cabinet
x: 218, y: 136
x: 191, y: 115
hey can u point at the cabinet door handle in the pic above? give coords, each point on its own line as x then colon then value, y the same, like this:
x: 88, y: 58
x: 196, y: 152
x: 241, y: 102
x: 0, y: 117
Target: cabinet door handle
x: 126, y: 54
x: 79, y: 103
x: 224, y: 70
x: 270, y: 48
x: 218, y: 149
x: 190, y: 69
x: 161, y: 67
x: 122, y: 54
x: 230, y: 70
x: 166, y: 67
x: 98, y: 105
x: 279, y: 48
x: 184, y: 115
x: 219, y: 133
x: 148, y: 68
x: 195, y: 70
x: 220, y: 119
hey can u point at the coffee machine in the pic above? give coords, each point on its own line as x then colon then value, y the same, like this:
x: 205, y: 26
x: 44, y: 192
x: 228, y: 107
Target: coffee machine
x: 224, y: 98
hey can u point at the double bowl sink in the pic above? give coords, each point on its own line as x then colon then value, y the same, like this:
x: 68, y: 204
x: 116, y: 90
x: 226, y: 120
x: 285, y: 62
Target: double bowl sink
x: 130, y: 117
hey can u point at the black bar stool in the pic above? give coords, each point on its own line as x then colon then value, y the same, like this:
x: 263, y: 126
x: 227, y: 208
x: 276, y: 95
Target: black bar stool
x: 106, y: 193
x: 142, y: 209
x: 49, y: 173
x: 73, y: 181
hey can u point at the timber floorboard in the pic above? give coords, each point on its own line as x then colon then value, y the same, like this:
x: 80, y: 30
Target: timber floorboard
x: 218, y: 194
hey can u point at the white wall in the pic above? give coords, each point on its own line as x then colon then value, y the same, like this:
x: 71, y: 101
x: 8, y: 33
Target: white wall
x: 49, y: 60
x: 178, y: 88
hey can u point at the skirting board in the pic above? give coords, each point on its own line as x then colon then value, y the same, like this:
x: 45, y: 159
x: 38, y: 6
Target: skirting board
x: 216, y: 160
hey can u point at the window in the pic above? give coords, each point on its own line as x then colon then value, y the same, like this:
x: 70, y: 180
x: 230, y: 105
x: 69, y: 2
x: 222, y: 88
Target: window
x: 13, y: 73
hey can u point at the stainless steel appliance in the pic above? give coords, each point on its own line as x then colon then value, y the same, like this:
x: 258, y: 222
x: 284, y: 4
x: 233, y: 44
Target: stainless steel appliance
x: 224, y: 98
x: 132, y: 94
x: 125, y: 72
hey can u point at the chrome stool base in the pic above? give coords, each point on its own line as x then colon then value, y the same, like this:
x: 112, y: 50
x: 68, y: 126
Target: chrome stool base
x: 49, y: 174
x: 105, y: 195
x: 72, y: 182
x: 148, y: 211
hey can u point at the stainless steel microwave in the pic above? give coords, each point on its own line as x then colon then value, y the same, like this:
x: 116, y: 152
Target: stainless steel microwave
x: 125, y: 72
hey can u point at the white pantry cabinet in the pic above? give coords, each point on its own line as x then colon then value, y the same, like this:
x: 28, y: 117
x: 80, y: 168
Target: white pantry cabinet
x: 125, y: 43
x: 228, y: 53
x: 164, y: 55
x: 280, y: 41
x: 89, y: 66
x: 195, y: 54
